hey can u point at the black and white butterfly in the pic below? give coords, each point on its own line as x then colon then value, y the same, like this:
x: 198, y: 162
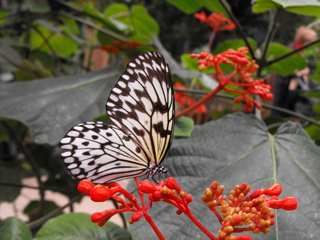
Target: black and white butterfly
x: 141, y: 107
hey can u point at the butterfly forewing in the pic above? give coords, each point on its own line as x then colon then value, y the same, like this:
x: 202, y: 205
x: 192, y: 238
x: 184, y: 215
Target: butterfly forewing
x: 141, y: 104
x: 102, y: 153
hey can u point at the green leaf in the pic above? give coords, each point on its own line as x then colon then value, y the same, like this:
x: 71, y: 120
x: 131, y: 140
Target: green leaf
x: 32, y: 209
x: 37, y: 6
x: 314, y: 132
x: 78, y: 226
x: 8, y: 173
x: 186, y: 6
x: 144, y: 25
x: 47, y: 38
x: 51, y: 106
x: 306, y: 7
x: 234, y: 44
x: 183, y: 127
x: 215, y: 6
x: 191, y: 63
x: 316, y: 108
x: 72, y: 24
x: 234, y: 149
x: 3, y: 14
x: 287, y: 65
x: 193, y: 6
x: 13, y: 228
x: 118, y: 14
x: 260, y: 6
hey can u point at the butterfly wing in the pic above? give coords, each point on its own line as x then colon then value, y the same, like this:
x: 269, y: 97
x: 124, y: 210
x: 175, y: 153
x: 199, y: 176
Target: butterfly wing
x: 102, y: 153
x: 142, y: 105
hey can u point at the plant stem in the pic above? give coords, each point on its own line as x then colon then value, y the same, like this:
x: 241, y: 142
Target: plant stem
x: 32, y: 187
x: 201, y: 101
x: 269, y: 37
x: 29, y: 158
x: 212, y: 36
x: 154, y: 227
x: 239, y: 28
x: 52, y: 214
x: 200, y: 226
x: 13, y: 63
x: 292, y: 52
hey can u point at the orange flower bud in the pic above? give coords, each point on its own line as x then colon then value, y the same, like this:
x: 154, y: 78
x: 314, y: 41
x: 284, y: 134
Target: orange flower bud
x: 236, y: 220
x: 147, y: 187
x: 136, y: 217
x: 85, y: 186
x: 289, y: 203
x: 172, y: 184
x: 273, y: 190
x: 100, y: 193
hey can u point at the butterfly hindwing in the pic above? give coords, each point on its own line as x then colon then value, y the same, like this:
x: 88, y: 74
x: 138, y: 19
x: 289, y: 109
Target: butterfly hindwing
x: 102, y: 153
x: 141, y: 104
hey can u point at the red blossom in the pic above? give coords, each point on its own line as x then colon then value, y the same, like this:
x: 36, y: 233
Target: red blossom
x: 117, y: 46
x: 184, y: 100
x: 217, y: 21
x: 244, y: 68
x: 237, y: 211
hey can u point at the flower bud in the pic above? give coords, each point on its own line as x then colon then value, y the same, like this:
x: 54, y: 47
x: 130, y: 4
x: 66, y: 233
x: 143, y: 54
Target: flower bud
x: 172, y: 184
x: 135, y: 217
x: 273, y: 190
x: 85, y: 186
x: 100, y: 193
x: 188, y: 198
x: 147, y: 187
x: 236, y: 220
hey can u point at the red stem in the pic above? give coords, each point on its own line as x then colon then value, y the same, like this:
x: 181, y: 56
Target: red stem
x: 212, y: 36
x: 214, y: 210
x: 154, y: 227
x: 201, y: 101
x: 200, y: 226
x: 141, y: 194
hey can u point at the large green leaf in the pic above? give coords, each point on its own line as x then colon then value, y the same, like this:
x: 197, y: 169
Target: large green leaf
x: 47, y: 38
x: 78, y: 226
x: 287, y: 65
x: 51, y: 106
x: 8, y: 173
x: 238, y: 148
x: 306, y: 7
x: 193, y: 6
x: 13, y: 228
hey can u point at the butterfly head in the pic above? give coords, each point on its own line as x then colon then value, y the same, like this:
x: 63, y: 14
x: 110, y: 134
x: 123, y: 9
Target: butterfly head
x: 152, y: 171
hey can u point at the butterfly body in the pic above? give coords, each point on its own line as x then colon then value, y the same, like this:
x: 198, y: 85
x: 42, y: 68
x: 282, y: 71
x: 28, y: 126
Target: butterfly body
x: 141, y: 107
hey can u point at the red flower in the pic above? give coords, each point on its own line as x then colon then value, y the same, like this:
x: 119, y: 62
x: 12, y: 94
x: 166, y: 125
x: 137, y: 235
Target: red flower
x: 184, y: 100
x: 238, y: 212
x: 244, y: 68
x: 217, y: 21
x: 117, y: 46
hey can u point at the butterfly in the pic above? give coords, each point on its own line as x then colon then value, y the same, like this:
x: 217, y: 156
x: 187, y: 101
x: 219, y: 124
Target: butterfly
x: 141, y: 108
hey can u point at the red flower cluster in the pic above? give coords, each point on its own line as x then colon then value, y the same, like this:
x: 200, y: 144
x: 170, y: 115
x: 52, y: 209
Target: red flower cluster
x: 118, y: 46
x: 184, y: 100
x: 243, y: 67
x: 216, y: 21
x: 238, y: 210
